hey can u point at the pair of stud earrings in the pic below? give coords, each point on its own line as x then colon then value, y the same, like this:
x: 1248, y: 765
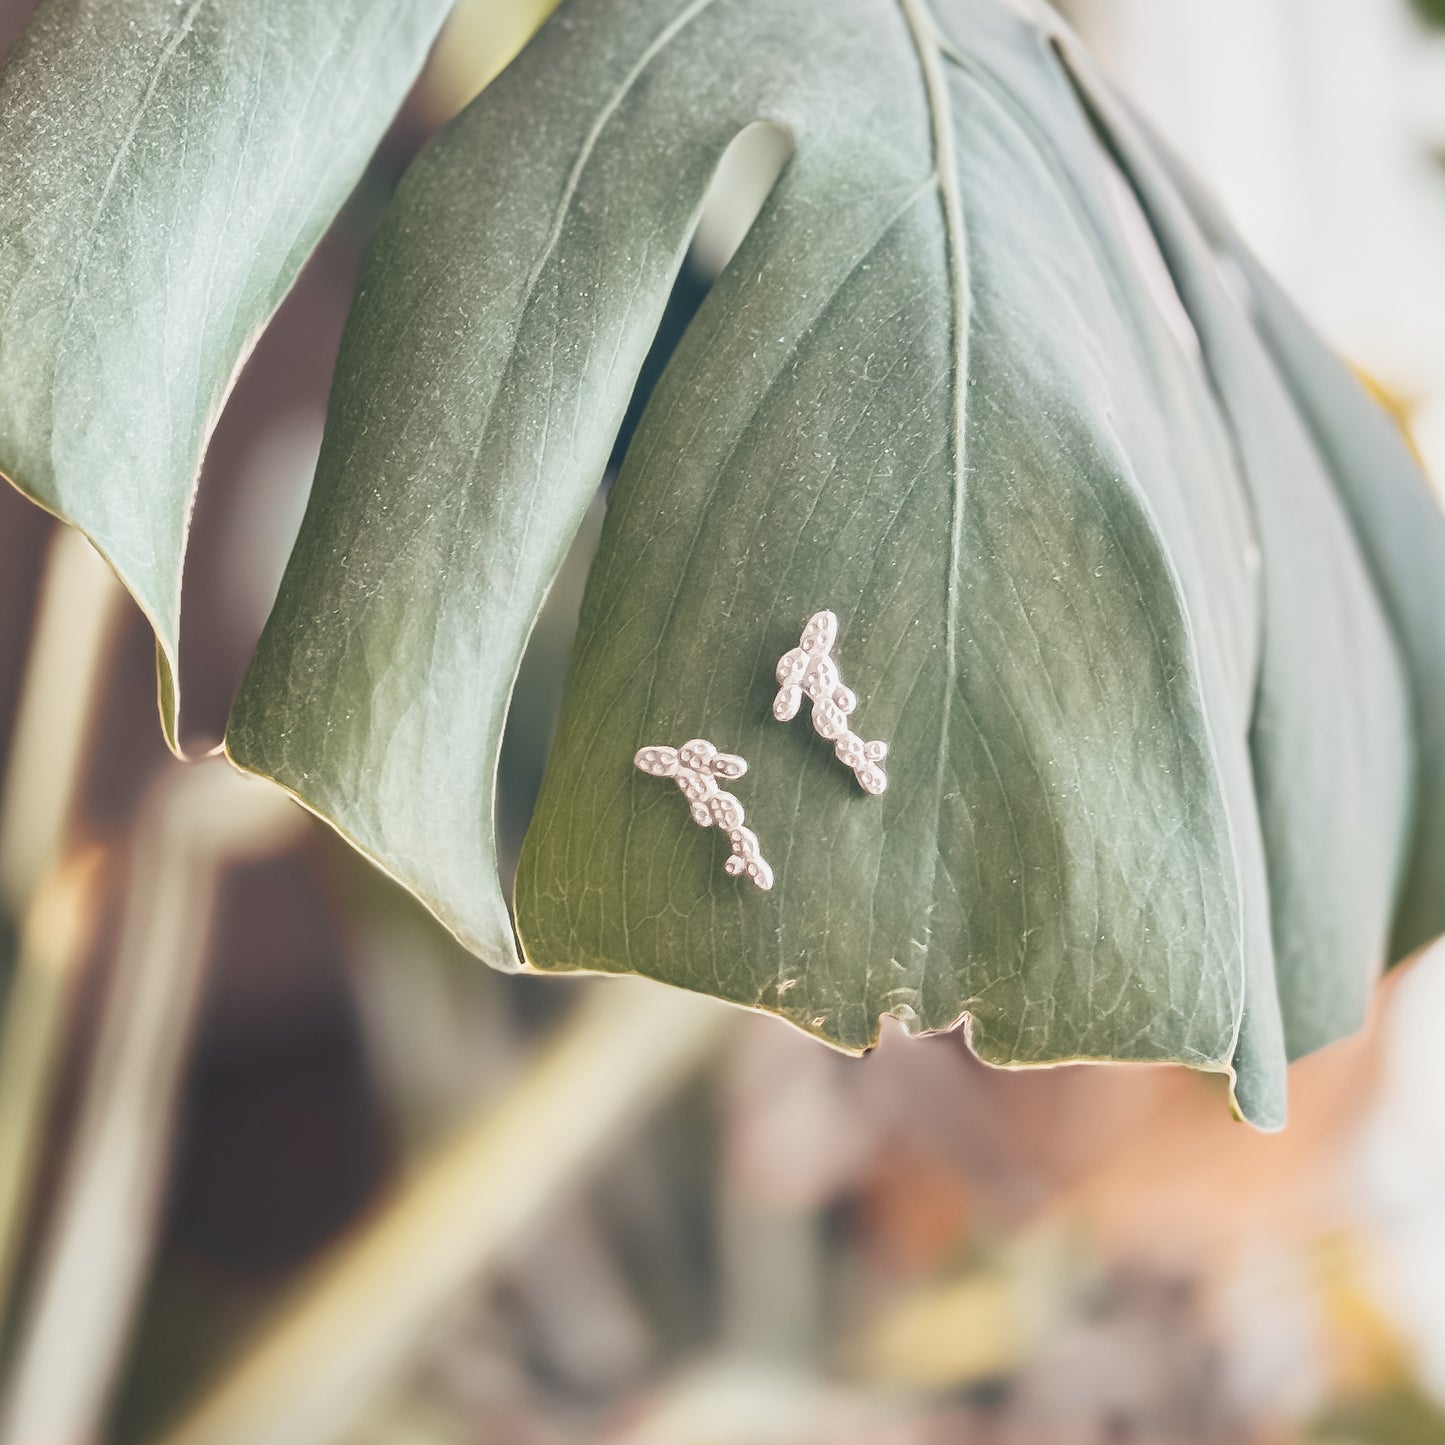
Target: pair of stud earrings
x: 807, y: 670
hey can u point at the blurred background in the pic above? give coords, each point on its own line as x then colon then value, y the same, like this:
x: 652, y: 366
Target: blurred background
x: 279, y: 1163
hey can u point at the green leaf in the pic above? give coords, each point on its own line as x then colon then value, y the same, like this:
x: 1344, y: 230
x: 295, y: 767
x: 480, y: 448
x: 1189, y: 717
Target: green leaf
x: 952, y: 412
x: 1152, y: 748
x: 165, y: 168
x: 1397, y: 520
x: 1431, y: 11
x: 1132, y: 578
x: 1336, y: 832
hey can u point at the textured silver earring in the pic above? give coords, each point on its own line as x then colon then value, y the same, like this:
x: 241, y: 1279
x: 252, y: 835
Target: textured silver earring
x: 695, y: 767
x: 809, y: 670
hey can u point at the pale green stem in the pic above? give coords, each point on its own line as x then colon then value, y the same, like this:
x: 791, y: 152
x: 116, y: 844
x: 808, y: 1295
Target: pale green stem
x: 99, y: 1238
x: 77, y: 614
x: 356, y: 1323
x: 58, y: 930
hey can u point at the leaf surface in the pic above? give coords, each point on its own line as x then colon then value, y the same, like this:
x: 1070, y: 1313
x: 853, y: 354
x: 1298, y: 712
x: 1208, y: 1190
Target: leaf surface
x: 1396, y: 516
x: 1335, y: 782
x: 1134, y: 582
x: 1152, y: 744
x: 165, y: 168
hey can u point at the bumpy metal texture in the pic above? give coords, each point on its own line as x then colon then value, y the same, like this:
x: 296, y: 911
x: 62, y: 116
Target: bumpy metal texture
x: 809, y: 669
x: 695, y: 767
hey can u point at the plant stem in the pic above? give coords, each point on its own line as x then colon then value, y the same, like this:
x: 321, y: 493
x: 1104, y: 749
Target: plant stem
x: 58, y: 930
x: 357, y: 1321
x: 78, y: 611
x: 98, y: 1242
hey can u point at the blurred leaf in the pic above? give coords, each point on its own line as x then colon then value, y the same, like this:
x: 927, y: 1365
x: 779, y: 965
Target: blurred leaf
x: 1335, y: 834
x: 1404, y: 1416
x: 165, y: 168
x: 1396, y: 517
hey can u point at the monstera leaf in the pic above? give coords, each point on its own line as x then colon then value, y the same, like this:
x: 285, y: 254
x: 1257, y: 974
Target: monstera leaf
x: 165, y: 168
x: 1137, y: 585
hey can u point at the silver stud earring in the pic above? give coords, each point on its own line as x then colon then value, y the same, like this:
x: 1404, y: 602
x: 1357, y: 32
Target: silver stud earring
x: 809, y: 670
x: 695, y: 767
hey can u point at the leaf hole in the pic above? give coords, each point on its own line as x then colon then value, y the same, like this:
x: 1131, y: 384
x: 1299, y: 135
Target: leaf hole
x: 746, y: 174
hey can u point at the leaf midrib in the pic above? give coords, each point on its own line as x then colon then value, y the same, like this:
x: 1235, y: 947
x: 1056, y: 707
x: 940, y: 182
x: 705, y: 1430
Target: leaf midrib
x: 926, y: 39
x: 924, y: 30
